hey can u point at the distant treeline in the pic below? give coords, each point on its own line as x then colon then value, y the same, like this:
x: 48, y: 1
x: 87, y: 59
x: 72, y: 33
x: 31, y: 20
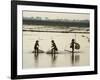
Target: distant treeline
x: 78, y: 23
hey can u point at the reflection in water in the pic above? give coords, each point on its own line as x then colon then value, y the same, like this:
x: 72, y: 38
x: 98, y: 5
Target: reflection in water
x: 72, y: 58
x: 36, y: 57
x: 53, y: 59
x: 64, y: 58
x: 75, y: 59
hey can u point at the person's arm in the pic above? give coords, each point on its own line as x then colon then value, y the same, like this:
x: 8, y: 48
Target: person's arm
x: 52, y: 46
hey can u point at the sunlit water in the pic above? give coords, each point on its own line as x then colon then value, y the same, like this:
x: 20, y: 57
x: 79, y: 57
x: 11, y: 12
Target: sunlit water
x: 62, y: 40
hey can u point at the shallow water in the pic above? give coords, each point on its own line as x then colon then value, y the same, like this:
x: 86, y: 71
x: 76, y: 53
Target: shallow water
x: 62, y: 40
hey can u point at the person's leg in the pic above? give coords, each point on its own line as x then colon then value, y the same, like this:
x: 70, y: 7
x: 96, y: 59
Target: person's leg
x: 72, y: 50
x: 53, y: 51
x: 37, y: 51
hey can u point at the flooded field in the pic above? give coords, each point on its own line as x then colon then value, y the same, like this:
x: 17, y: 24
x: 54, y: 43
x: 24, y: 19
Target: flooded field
x: 62, y: 40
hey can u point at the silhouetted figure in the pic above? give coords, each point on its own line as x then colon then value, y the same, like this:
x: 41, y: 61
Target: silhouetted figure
x: 53, y: 47
x: 36, y: 48
x: 72, y: 45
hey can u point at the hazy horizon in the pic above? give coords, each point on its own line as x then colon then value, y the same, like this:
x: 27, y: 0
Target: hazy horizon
x: 57, y: 15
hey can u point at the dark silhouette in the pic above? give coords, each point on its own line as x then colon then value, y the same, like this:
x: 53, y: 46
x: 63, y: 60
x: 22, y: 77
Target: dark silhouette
x: 74, y: 57
x: 36, y: 48
x: 72, y: 45
x: 53, y: 48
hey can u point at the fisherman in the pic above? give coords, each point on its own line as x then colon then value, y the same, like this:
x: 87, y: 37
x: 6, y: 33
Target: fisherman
x: 72, y: 45
x: 53, y: 47
x: 36, y: 47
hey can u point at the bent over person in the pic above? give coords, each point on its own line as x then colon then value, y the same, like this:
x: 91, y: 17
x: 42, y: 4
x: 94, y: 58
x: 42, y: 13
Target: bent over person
x: 53, y: 47
x: 36, y: 47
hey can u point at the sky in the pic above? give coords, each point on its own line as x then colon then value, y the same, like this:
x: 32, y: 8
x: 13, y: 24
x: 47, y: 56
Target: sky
x: 57, y: 15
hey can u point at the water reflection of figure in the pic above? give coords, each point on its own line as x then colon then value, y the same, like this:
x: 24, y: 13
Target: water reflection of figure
x: 72, y: 58
x: 53, y: 48
x: 75, y: 59
x: 36, y: 57
x: 36, y: 48
x: 53, y: 58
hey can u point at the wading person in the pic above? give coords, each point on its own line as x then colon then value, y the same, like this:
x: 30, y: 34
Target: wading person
x: 53, y: 47
x: 72, y: 45
x: 36, y: 47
